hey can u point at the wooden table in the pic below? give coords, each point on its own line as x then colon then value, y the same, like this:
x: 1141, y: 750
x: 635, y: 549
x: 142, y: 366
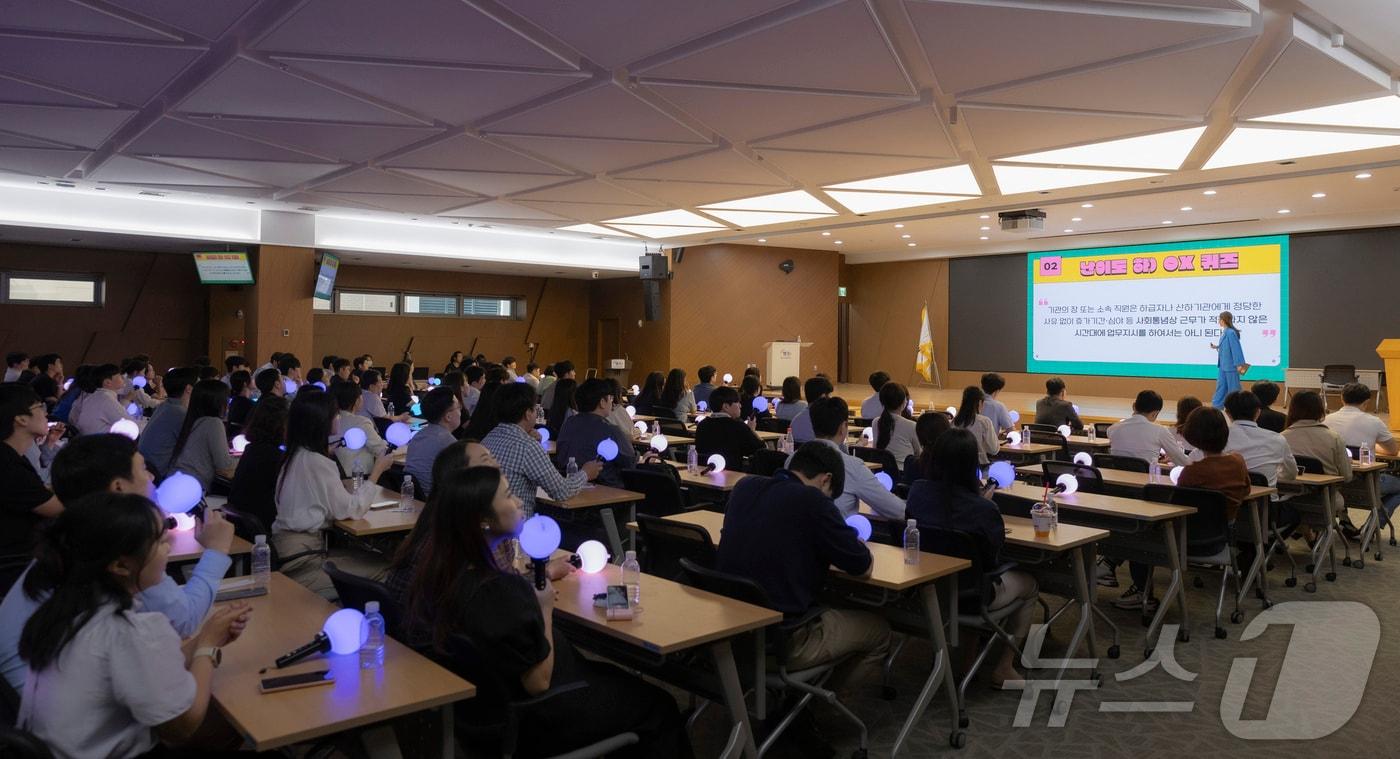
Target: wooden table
x: 643, y: 441
x: 674, y: 618
x: 381, y: 521
x: 185, y: 548
x: 1084, y: 443
x: 1136, y: 481
x: 1325, y: 485
x: 289, y: 616
x: 1366, y: 486
x: 723, y: 481
x: 602, y: 498
x: 1033, y: 452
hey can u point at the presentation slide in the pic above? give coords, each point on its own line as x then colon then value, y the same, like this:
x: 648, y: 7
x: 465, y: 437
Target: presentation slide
x: 1150, y: 310
x: 325, y: 276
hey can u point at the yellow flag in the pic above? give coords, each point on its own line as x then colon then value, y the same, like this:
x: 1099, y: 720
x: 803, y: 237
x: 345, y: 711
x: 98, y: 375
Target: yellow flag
x: 923, y: 360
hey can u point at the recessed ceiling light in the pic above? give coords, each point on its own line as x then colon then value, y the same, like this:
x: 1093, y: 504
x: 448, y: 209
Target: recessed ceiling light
x: 1319, y: 195
x: 911, y: 244
x: 951, y: 180
x: 1165, y: 150
x: 986, y: 229
x: 795, y: 201
x: 838, y: 242
x: 1077, y: 218
x: 1167, y: 221
x: 763, y: 239
x: 874, y: 202
x: 1087, y: 205
x: 1284, y: 210
x: 826, y: 234
x: 1186, y: 208
x: 1364, y: 175
x: 983, y: 237
x: 985, y: 216
x: 1208, y: 192
x: 1067, y: 231
x: 899, y: 226
x: 906, y: 237
x: 1247, y: 145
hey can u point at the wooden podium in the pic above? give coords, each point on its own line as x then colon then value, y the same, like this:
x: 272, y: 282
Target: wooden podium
x: 1389, y: 350
x: 784, y: 360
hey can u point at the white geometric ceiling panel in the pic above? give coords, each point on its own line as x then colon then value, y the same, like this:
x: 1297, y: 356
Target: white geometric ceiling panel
x: 721, y: 165
x: 420, y: 88
x: 587, y: 191
x: 661, y: 232
x: 1183, y: 84
x: 606, y: 111
x: 668, y: 219
x: 39, y: 161
x: 350, y: 143
x: 594, y: 229
x: 874, y: 202
x: 1165, y: 150
x: 766, y: 218
x: 976, y: 46
x: 952, y: 180
x: 1014, y: 180
x: 908, y: 131
x: 830, y: 168
x: 467, y: 153
x: 598, y: 156
x: 484, y: 182
x: 1303, y: 77
x: 999, y: 133
x: 52, y: 16
x: 138, y: 171
x: 172, y: 137
x: 424, y: 204
x: 376, y: 181
x: 795, y: 201
x: 605, y: 30
x: 585, y: 211
x: 834, y: 48
x: 1374, y: 113
x: 9, y: 139
x: 80, y: 127
x: 1248, y: 145
x: 271, y: 173
x: 444, y: 31
x: 689, y: 193
x: 249, y: 89
x: 745, y: 115
x: 501, y: 209
x: 121, y: 73
x: 15, y: 91
x: 206, y: 18
x: 1372, y: 22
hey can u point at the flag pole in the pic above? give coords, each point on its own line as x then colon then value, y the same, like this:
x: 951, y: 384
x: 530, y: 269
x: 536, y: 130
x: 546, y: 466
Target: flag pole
x: 933, y: 356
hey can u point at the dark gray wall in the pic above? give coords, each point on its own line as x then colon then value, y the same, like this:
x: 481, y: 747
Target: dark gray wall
x: 987, y: 314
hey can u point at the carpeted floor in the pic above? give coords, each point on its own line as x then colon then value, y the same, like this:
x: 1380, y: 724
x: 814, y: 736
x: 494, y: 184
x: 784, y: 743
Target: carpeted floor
x: 1329, y: 662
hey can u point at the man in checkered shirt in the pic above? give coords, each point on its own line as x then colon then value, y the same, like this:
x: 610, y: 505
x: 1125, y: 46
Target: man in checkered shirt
x: 523, y: 460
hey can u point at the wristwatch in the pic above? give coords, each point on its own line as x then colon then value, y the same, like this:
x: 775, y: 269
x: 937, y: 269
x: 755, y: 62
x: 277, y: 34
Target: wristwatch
x: 214, y: 653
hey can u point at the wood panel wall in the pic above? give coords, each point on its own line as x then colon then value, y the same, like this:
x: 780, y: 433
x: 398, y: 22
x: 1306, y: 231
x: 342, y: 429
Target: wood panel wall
x: 646, y: 343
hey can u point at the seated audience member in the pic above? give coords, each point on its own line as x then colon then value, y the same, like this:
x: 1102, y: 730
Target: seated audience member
x: 157, y: 441
x: 444, y: 414
x: 893, y: 431
x: 269, y: 382
x: 458, y: 383
x: 952, y: 499
x: 310, y: 496
x: 68, y: 401
x: 581, y: 434
x: 1358, y: 428
x: 565, y: 406
x: 42, y: 453
x: 290, y: 367
x: 1054, y: 409
x: 48, y: 378
x: 483, y: 419
x: 814, y: 389
x: 348, y: 401
x: 328, y: 361
x: 471, y: 391
x: 24, y: 500
x: 724, y: 433
x: 752, y: 371
x: 702, y: 391
x: 144, y: 397
x: 508, y: 363
x: 992, y: 384
x: 358, y: 366
x: 234, y: 364
x: 562, y: 370
x: 792, y: 403
x: 784, y: 533
x: 1307, y: 435
x: 619, y: 416
x: 372, y: 404
x: 1263, y: 451
x: 677, y: 399
x: 522, y: 458
x: 201, y: 450
x: 454, y: 362
x: 317, y: 377
x: 532, y: 375
x: 253, y: 489
x: 871, y: 407
x: 1206, y: 431
x: 970, y: 418
x: 341, y: 371
x: 830, y: 420
x: 458, y: 588
x: 16, y: 363
x: 107, y: 679
x: 111, y: 463
x: 1141, y: 437
x: 207, y: 372
x: 240, y: 403
x: 648, y: 401
x: 98, y: 408
x: 272, y: 360
x: 1184, y: 406
x: 398, y: 393
x: 751, y: 389
x: 1270, y: 419
x: 931, y: 426
x: 497, y: 375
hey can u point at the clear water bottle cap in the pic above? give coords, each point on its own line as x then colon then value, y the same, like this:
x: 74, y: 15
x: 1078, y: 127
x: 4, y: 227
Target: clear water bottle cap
x: 371, y: 607
x: 407, y: 478
x: 630, y: 555
x: 260, y: 540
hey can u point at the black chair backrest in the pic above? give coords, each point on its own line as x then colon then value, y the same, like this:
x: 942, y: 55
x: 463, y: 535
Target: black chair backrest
x: 355, y: 591
x: 1309, y: 465
x: 1208, y: 530
x: 1101, y: 428
x: 1041, y: 437
x: 1090, y: 479
x: 465, y: 660
x: 973, y: 586
x: 884, y: 458
x: 674, y: 428
x: 724, y: 584
x: 1255, y: 478
x: 662, y: 490
x: 1338, y: 374
x: 1042, y: 428
x: 861, y: 421
x: 21, y: 744
x: 911, y: 469
x: 774, y: 424
x: 765, y: 461
x: 667, y: 541
x: 1121, y: 463
x: 1354, y: 451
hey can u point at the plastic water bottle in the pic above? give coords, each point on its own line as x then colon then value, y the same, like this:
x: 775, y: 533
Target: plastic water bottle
x: 572, y: 468
x: 389, y: 406
x: 406, y: 494
x: 1093, y: 434
x: 372, y: 652
x: 1367, y: 455
x: 1154, y: 471
x: 692, y: 460
x: 911, y: 542
x: 262, y: 562
x: 786, y: 446
x: 357, y: 476
x: 632, y: 578
x: 655, y: 427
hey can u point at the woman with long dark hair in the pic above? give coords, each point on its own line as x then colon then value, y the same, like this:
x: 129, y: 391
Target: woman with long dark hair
x: 459, y: 588
x: 310, y: 496
x: 930, y: 426
x: 676, y: 397
x: 895, y: 432
x: 201, y: 450
x: 792, y: 404
x: 253, y: 489
x: 969, y: 417
x: 106, y: 679
x: 484, y: 416
x: 400, y: 389
x: 454, y: 363
x: 649, y: 400
x: 1229, y: 362
x: 563, y: 407
x: 750, y: 388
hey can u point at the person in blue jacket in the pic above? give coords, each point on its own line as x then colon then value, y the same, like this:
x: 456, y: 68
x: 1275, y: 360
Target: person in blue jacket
x: 1231, y: 364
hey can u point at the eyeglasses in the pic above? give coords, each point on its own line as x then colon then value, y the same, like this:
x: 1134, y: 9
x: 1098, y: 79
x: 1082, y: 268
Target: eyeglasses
x: 38, y: 408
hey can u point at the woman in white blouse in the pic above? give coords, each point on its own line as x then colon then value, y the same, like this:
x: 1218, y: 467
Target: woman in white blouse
x: 970, y: 417
x: 311, y: 495
x: 893, y: 431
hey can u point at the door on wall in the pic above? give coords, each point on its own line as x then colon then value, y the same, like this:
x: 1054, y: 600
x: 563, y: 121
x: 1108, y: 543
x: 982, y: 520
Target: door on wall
x: 843, y: 340
x: 608, y: 339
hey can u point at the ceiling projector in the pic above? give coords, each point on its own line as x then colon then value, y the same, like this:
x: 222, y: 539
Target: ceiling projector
x: 1028, y: 220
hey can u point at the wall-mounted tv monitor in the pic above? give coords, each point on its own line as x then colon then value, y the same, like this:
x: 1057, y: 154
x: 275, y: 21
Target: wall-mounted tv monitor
x: 325, y: 276
x: 225, y: 268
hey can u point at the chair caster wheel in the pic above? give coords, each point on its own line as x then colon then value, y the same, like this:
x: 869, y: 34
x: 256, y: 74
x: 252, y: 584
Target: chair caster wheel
x: 888, y: 693
x: 1311, y: 587
x: 1197, y: 582
x: 1379, y: 557
x: 1290, y: 582
x: 1346, y: 562
x: 1113, y: 651
x: 1392, y: 541
x: 1330, y: 577
x: 1358, y: 564
x: 1237, y: 617
x: 1220, y: 633
x: 1183, y: 636
x: 958, y: 739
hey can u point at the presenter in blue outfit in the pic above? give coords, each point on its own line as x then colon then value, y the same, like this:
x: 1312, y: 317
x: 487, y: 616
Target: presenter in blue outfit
x: 1230, y: 364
